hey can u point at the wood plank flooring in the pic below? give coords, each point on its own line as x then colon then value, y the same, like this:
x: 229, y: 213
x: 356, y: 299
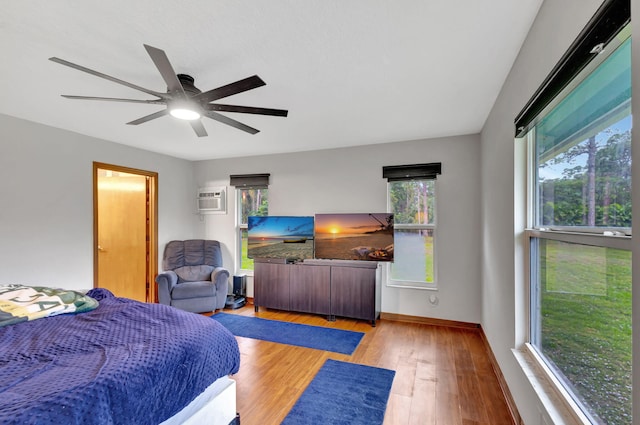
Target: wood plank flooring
x: 443, y: 374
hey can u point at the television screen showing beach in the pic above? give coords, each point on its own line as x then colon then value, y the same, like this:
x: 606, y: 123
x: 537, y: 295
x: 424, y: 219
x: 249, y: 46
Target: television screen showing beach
x: 355, y: 236
x: 280, y: 237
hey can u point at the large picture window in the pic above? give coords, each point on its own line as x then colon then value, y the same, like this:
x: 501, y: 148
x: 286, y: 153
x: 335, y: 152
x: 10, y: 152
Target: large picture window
x: 579, y: 235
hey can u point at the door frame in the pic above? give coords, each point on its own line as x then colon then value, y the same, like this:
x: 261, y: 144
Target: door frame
x: 152, y: 225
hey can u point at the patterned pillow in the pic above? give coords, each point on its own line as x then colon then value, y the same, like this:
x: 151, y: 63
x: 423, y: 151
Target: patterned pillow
x: 19, y: 303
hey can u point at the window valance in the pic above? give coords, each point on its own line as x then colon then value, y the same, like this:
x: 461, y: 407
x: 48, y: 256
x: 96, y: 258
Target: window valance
x: 250, y: 181
x: 610, y: 18
x: 412, y: 172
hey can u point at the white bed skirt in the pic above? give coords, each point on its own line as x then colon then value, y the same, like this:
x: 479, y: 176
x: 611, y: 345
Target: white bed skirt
x: 216, y: 405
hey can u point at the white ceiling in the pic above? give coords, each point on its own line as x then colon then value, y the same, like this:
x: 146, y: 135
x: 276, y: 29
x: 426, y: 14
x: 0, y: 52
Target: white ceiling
x: 350, y: 72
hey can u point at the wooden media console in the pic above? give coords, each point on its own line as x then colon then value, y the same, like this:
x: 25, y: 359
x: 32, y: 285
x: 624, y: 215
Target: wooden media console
x: 328, y: 287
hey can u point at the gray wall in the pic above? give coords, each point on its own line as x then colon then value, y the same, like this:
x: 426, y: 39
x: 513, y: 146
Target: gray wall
x: 350, y: 180
x: 46, y: 196
x: 46, y: 218
x: 46, y: 227
x: 503, y: 184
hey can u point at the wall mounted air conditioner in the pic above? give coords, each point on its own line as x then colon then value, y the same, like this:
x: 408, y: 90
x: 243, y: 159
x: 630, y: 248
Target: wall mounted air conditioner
x: 211, y: 200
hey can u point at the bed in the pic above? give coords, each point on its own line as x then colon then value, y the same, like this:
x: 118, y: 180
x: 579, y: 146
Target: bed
x: 123, y: 362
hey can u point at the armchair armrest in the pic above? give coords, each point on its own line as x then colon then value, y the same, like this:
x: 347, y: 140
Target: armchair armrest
x: 166, y: 281
x: 220, y: 278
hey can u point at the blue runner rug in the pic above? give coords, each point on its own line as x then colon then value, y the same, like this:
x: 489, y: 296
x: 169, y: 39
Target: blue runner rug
x: 343, y: 393
x: 328, y: 339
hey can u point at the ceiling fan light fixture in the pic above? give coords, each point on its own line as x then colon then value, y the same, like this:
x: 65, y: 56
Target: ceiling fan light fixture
x: 184, y: 113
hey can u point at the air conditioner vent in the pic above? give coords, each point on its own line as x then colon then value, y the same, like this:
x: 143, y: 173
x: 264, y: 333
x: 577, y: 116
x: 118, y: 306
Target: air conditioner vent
x: 212, y: 200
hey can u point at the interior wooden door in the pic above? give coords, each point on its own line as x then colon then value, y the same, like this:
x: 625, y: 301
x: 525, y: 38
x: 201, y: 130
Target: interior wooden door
x: 123, y: 228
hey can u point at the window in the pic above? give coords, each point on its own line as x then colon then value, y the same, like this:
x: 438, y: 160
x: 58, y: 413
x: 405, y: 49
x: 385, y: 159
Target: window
x: 252, y: 200
x: 579, y: 236
x: 412, y: 200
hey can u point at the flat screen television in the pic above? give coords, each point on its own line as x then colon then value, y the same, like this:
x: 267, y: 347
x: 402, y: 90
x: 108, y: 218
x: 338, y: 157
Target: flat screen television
x: 288, y: 237
x: 354, y: 236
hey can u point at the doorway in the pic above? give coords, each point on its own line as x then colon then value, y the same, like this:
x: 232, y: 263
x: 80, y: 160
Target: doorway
x: 125, y: 231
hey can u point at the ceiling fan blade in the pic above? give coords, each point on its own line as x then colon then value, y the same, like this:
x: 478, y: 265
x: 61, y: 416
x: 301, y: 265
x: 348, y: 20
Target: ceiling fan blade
x: 108, y: 77
x: 198, y: 127
x: 233, y: 123
x: 149, y: 117
x: 114, y: 99
x: 161, y: 61
x: 248, y: 83
x: 246, y: 109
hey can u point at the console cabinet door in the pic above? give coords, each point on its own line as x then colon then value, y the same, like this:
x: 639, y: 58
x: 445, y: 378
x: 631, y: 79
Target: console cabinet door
x: 271, y: 285
x: 310, y: 289
x: 353, y: 292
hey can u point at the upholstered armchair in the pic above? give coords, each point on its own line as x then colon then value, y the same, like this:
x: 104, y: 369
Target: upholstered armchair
x: 193, y: 278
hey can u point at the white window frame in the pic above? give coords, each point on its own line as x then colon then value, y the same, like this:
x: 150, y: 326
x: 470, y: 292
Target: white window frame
x: 240, y: 227
x: 615, y: 238
x: 408, y: 284
x: 583, y: 236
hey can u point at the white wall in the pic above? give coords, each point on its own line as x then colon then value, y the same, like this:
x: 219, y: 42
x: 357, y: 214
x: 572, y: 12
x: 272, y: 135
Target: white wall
x: 504, y: 297
x: 350, y: 180
x: 46, y: 201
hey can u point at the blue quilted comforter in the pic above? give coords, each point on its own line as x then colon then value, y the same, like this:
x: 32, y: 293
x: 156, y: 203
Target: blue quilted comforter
x: 125, y: 362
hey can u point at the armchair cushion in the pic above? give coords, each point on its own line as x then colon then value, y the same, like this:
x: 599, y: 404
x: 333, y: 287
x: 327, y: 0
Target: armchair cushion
x: 194, y: 273
x: 192, y: 252
x: 188, y: 290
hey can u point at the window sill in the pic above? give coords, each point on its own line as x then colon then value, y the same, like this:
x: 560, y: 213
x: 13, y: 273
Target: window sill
x: 556, y: 402
x: 617, y: 241
x: 410, y: 285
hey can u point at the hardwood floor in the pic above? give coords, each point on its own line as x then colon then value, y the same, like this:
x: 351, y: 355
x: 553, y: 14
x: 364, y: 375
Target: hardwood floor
x: 443, y: 374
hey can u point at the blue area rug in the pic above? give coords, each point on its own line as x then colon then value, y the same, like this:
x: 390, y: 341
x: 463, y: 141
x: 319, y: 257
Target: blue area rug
x: 343, y: 393
x: 328, y: 339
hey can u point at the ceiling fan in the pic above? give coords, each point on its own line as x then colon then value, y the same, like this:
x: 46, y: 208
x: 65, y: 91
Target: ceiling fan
x: 184, y: 100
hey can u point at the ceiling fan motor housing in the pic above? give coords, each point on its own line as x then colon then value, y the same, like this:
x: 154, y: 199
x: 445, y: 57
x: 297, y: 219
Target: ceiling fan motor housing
x: 187, y: 84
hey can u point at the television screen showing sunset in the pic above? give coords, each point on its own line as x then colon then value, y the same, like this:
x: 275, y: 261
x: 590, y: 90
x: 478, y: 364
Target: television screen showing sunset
x: 354, y: 236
